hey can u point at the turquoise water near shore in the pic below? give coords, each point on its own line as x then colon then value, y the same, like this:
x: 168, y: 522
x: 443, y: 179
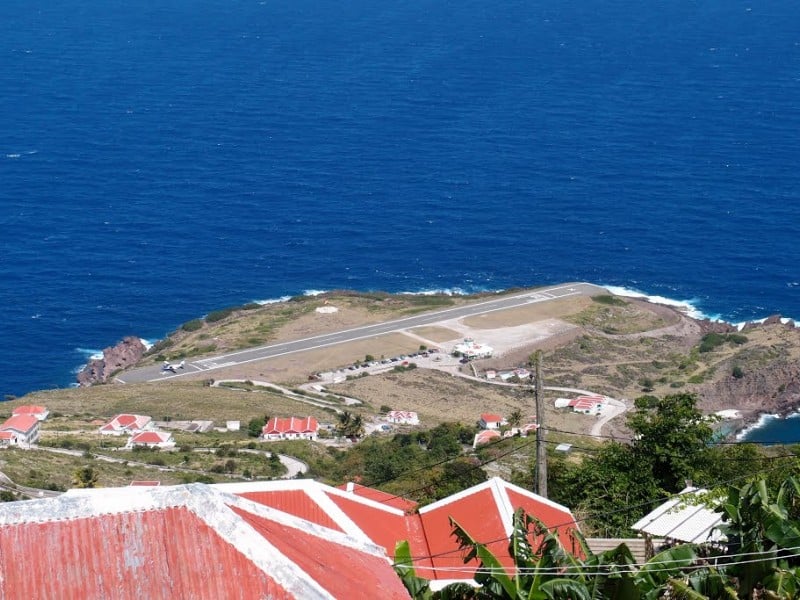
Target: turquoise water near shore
x: 158, y: 162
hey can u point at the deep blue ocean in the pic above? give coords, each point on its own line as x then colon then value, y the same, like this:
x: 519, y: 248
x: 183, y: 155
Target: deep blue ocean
x: 160, y: 160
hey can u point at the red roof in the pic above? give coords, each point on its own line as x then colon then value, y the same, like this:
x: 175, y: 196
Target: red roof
x: 486, y: 436
x: 29, y: 409
x: 278, y: 425
x: 485, y: 511
x: 490, y: 418
x: 379, y: 496
x: 6, y: 435
x: 191, y: 541
x: 126, y: 421
x: 150, y: 437
x: 21, y: 423
x: 295, y: 502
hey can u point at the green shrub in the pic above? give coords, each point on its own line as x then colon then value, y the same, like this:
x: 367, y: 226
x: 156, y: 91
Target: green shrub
x: 218, y: 315
x: 737, y: 372
x: 609, y: 300
x: 192, y: 325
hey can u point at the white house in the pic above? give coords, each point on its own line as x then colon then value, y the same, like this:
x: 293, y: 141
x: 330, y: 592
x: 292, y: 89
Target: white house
x: 40, y: 412
x: 127, y: 424
x: 469, y: 349
x: 152, y: 439
x: 485, y: 436
x: 402, y: 417
x: 587, y: 405
x: 290, y: 428
x: 19, y: 430
x: 491, y: 421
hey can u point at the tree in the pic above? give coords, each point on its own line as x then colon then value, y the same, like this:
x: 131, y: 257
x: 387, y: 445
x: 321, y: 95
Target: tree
x: 85, y: 477
x: 255, y: 426
x: 671, y: 436
x: 515, y: 418
x: 350, y: 426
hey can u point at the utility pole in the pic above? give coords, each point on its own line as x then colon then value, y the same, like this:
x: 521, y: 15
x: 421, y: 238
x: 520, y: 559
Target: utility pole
x: 540, y: 477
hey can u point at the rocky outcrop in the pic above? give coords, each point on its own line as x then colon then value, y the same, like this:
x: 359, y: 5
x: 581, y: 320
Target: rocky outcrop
x: 774, y: 390
x: 125, y: 354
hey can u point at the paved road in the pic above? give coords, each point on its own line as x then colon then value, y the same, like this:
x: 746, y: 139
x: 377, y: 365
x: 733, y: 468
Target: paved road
x: 240, y: 357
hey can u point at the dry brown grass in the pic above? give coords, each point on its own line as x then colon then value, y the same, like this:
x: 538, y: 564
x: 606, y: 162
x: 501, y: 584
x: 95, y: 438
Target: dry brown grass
x: 439, y: 397
x: 180, y: 401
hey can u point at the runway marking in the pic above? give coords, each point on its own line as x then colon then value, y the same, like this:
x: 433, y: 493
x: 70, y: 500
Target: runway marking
x: 213, y: 366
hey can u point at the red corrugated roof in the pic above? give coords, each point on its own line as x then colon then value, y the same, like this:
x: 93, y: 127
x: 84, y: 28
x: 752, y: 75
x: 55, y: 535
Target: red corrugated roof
x: 21, y: 423
x: 489, y: 418
x: 191, y: 541
x: 385, y: 498
x: 150, y: 437
x: 343, y: 572
x: 485, y: 511
x: 168, y: 553
x: 278, y: 425
x: 294, y: 502
x: 6, y: 435
x: 383, y: 527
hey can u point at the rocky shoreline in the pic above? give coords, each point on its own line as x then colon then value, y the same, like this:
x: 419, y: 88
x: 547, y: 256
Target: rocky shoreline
x: 126, y: 353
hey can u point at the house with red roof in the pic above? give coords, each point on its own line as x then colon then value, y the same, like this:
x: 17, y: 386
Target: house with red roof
x: 187, y: 541
x: 491, y: 421
x: 19, y: 430
x: 290, y: 428
x: 587, y: 405
x: 485, y: 436
x: 402, y: 417
x: 485, y: 511
x: 40, y: 412
x: 126, y: 424
x: 151, y: 439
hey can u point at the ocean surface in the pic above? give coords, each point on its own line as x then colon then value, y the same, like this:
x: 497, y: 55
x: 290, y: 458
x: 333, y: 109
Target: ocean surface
x: 161, y: 160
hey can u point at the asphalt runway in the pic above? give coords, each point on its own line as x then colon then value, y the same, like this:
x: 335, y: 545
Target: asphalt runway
x: 240, y: 357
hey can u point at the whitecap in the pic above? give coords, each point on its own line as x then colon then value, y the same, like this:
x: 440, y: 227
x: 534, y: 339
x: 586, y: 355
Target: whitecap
x: 763, y: 420
x: 90, y: 353
x: 13, y: 155
x: 147, y: 343
x: 687, y: 307
x: 272, y: 300
x: 437, y: 292
x: 313, y: 292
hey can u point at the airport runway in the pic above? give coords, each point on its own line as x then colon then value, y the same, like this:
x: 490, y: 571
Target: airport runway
x: 210, y: 364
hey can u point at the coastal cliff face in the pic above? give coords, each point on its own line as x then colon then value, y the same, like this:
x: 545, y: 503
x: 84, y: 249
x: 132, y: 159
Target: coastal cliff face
x: 125, y: 354
x: 774, y: 389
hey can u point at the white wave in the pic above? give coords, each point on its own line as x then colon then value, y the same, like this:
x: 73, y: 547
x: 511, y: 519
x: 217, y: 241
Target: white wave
x: 763, y: 420
x: 438, y: 292
x: 313, y: 292
x: 90, y: 353
x: 147, y: 343
x: 687, y: 307
x: 273, y: 300
x: 13, y: 155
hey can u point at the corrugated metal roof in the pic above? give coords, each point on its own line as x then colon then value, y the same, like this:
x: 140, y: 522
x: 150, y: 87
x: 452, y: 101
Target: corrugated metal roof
x: 485, y: 511
x: 379, y: 496
x: 685, y: 518
x: 190, y: 541
x: 340, y: 570
x: 294, y: 502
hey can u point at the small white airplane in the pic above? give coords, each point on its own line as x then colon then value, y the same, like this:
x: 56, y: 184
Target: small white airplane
x: 168, y: 366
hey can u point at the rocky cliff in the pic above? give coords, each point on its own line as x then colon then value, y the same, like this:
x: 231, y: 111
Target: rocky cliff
x: 125, y: 354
